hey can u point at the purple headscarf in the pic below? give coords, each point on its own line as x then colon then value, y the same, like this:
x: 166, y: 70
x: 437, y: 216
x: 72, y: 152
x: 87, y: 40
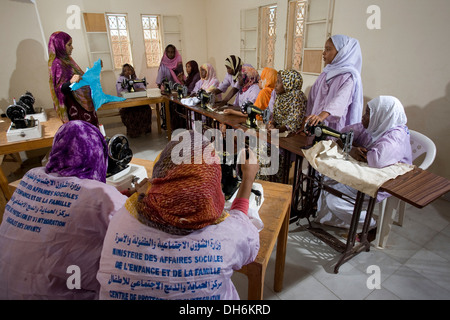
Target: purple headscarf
x: 348, y: 60
x: 61, y: 68
x: 79, y: 150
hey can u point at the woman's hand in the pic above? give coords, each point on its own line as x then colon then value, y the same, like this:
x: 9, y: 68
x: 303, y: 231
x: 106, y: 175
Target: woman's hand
x: 75, y: 78
x: 314, y: 119
x: 359, y: 154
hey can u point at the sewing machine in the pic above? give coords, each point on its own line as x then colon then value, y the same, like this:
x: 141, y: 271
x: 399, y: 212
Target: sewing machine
x: 168, y: 85
x: 321, y: 132
x: 207, y: 99
x: 180, y: 89
x: 129, y: 85
x: 252, y: 111
x: 23, y: 127
x: 121, y: 174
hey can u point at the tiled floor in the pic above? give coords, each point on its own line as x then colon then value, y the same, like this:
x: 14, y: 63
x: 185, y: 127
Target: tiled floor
x: 414, y: 265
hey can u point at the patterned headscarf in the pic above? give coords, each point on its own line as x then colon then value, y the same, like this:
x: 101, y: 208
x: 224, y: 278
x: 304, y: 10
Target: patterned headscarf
x: 290, y: 107
x: 184, y: 197
x: 250, y: 77
x: 61, y: 68
x: 79, y: 150
x: 234, y: 63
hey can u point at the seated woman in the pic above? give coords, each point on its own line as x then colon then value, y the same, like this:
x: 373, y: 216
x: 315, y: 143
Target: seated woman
x: 56, y: 220
x: 193, y: 75
x: 63, y: 71
x: 288, y: 114
x: 267, y: 85
x: 234, y: 66
x: 208, y: 80
x: 138, y: 120
x: 290, y: 102
x: 336, y: 98
x: 248, y: 80
x: 171, y: 67
x: 381, y: 139
x: 183, y: 245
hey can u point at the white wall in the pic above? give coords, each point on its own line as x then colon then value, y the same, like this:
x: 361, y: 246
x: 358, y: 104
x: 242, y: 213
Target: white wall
x: 23, y: 49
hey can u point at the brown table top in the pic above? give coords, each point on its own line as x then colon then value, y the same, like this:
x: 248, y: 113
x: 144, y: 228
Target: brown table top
x: 49, y: 129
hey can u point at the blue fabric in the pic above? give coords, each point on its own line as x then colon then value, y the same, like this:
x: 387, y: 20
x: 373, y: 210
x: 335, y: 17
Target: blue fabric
x: 91, y: 78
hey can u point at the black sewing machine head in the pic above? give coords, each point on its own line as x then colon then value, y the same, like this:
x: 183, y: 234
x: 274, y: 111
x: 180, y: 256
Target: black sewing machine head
x: 18, y: 111
x: 321, y: 132
x: 252, y: 111
x: 129, y: 83
x: 168, y: 85
x: 119, y: 154
x: 230, y: 180
x: 180, y: 89
x: 206, y: 98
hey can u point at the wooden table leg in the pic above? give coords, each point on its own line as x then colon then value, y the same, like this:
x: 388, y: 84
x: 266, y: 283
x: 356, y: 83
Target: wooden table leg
x: 158, y: 117
x: 168, y: 126
x: 4, y: 185
x: 255, y: 275
x: 281, y: 253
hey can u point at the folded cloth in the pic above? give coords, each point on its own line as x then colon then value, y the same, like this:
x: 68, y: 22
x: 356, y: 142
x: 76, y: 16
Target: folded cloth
x: 327, y: 158
x: 190, y: 101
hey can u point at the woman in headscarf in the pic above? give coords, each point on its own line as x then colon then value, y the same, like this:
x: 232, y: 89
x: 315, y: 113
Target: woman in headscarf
x: 208, y: 79
x: 381, y: 139
x: 63, y: 71
x: 234, y: 65
x: 171, y: 66
x: 290, y: 103
x: 193, y: 75
x: 137, y: 120
x: 56, y: 220
x: 183, y: 244
x: 336, y: 98
x: 267, y: 85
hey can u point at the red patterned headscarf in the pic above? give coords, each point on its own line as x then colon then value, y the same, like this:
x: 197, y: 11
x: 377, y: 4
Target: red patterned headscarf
x: 184, y: 197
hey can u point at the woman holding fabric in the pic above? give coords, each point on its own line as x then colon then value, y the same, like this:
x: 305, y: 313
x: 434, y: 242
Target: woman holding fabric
x: 63, y: 71
x: 381, y: 139
x: 53, y: 226
x: 174, y: 240
x: 336, y: 98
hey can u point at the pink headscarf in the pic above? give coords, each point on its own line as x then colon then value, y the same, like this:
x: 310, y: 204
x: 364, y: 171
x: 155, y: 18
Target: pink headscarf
x: 172, y: 64
x: 210, y: 82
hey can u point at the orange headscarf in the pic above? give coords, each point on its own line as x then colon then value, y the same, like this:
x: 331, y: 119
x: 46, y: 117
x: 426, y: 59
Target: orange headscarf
x: 269, y: 75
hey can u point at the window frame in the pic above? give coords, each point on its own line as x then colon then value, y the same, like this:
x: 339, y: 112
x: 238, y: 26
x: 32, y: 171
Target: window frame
x: 160, y: 35
x: 129, y: 42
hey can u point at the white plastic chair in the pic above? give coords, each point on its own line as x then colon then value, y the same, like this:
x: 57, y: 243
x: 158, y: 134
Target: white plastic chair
x: 420, y: 144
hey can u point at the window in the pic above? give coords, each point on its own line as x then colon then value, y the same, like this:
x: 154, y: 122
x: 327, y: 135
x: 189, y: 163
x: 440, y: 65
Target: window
x: 296, y: 29
x: 267, y: 36
x: 120, y: 39
x: 152, y: 40
x: 309, y: 26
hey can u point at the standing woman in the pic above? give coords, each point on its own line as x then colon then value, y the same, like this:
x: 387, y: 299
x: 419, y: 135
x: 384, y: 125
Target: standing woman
x: 336, y: 98
x: 171, y: 67
x: 63, y: 71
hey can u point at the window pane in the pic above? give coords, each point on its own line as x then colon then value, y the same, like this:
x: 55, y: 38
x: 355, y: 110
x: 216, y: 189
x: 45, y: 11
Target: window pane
x: 152, y: 42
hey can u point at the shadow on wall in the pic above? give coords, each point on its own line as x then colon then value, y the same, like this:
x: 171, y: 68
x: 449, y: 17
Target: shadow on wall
x: 434, y: 121
x: 31, y: 74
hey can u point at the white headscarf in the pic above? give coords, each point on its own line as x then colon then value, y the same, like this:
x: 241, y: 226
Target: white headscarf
x: 386, y: 112
x: 348, y: 60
